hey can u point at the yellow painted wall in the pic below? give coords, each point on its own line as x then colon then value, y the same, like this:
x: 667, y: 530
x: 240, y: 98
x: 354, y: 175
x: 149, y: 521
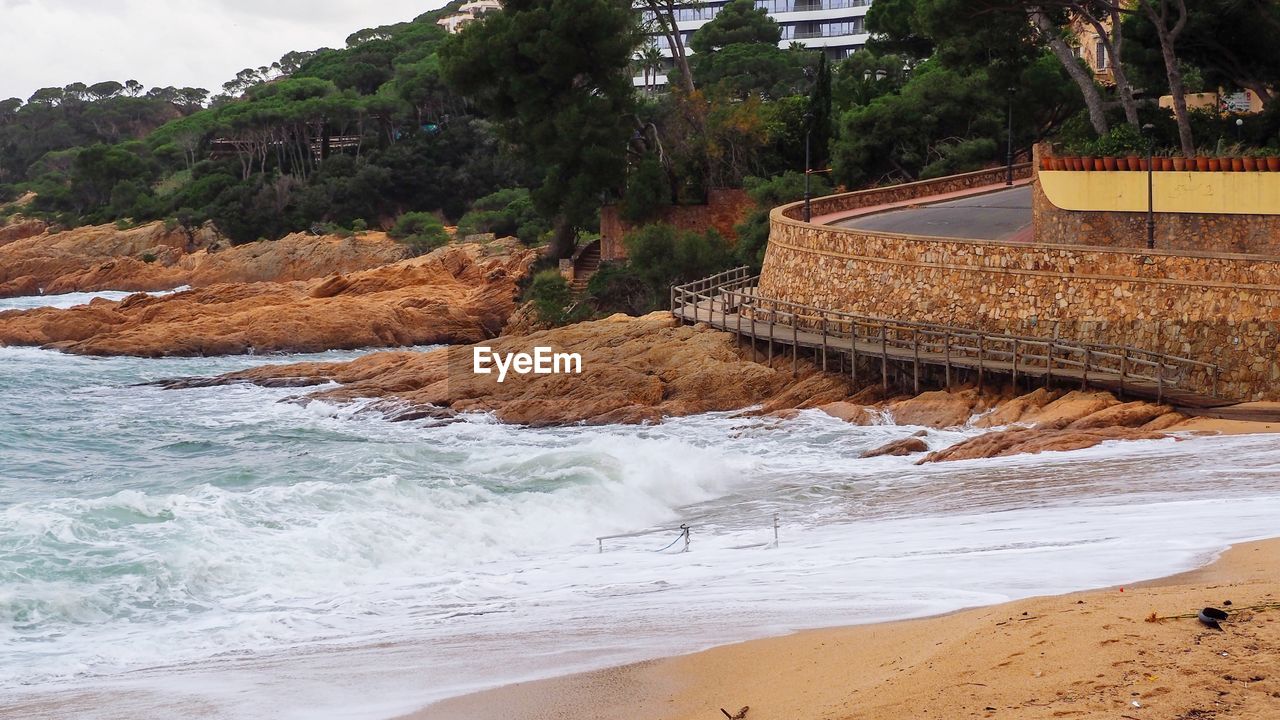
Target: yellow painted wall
x: 1206, y: 193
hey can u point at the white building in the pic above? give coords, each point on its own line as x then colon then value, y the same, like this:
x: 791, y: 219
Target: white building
x: 836, y: 26
x: 468, y: 12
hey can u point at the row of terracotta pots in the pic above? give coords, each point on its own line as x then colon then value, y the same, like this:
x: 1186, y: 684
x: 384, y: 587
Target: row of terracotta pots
x: 1178, y: 163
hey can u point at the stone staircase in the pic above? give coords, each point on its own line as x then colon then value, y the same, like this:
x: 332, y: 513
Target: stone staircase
x: 586, y: 262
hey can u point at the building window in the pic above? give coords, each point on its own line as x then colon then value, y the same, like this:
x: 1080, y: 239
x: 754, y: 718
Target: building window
x: 1101, y: 55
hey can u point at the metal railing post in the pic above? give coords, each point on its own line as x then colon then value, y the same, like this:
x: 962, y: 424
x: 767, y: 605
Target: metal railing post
x: 981, y: 359
x: 853, y: 353
x: 915, y: 367
x: 946, y: 343
x: 1160, y: 381
x: 884, y: 355
x: 1015, y: 364
x: 824, y: 342
x: 795, y: 344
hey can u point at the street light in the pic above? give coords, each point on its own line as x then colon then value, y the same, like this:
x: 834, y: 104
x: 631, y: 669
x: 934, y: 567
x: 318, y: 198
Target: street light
x: 1008, y: 172
x: 1151, y: 213
x: 1239, y: 129
x: 808, y: 130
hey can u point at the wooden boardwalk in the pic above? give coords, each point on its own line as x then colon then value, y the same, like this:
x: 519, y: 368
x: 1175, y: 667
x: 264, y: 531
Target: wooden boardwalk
x: 729, y: 301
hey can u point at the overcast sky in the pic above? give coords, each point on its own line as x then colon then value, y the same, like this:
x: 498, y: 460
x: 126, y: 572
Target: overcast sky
x: 184, y: 43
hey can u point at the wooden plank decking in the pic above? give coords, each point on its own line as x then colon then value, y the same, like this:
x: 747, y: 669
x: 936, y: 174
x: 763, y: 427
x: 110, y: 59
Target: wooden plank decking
x: 729, y: 302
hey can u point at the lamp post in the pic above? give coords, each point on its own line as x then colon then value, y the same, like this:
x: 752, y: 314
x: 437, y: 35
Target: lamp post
x: 1008, y: 171
x: 1239, y: 129
x: 1151, y: 212
x: 808, y: 130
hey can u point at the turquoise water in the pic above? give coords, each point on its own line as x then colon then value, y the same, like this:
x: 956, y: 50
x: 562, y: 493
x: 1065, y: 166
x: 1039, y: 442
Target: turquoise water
x: 233, y: 552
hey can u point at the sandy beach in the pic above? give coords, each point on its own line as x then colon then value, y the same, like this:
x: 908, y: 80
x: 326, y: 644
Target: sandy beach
x: 1093, y: 654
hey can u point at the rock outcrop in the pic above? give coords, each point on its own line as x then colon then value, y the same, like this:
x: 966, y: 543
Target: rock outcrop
x: 634, y: 370
x: 899, y: 448
x: 1044, y: 420
x: 460, y: 293
x: 637, y: 370
x: 1019, y: 441
x: 20, y: 229
x: 156, y: 257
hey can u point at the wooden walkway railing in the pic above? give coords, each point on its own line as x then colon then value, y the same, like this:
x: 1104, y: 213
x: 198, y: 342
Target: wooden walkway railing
x: 729, y: 301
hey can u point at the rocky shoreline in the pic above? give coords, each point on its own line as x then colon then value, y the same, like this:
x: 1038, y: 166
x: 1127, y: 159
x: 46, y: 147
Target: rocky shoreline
x: 285, y: 297
x: 646, y: 369
x: 458, y: 294
x: 38, y: 260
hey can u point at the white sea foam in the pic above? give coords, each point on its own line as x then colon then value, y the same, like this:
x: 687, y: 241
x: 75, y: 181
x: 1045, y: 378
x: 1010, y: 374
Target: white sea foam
x: 70, y: 300
x: 269, y: 559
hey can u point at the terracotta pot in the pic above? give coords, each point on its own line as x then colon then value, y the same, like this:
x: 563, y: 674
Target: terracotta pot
x: 1132, y: 162
x: 1073, y: 163
x: 1088, y: 163
x: 1250, y: 164
x: 1056, y: 163
x: 1202, y: 164
x: 1045, y: 163
x: 1215, y: 164
x: 1108, y: 163
x: 1237, y: 164
x: 1179, y: 163
x: 1273, y: 164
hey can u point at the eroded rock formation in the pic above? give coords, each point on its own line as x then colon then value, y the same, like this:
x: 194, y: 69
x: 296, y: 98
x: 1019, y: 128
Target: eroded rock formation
x: 634, y: 370
x: 156, y: 257
x: 458, y: 294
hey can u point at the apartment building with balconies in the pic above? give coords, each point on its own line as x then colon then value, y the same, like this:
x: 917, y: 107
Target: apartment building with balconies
x: 837, y: 27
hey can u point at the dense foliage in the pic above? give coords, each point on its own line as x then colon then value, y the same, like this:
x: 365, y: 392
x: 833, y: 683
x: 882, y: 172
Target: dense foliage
x: 528, y: 120
x: 330, y: 137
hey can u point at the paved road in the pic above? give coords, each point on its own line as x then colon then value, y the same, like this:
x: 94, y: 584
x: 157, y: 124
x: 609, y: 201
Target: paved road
x: 995, y: 216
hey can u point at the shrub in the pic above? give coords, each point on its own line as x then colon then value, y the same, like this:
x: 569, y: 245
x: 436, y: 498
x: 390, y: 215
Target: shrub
x: 421, y: 232
x: 508, y: 212
x: 359, y: 225
x: 662, y: 256
x: 647, y: 192
x: 753, y: 231
x: 148, y: 257
x: 552, y: 298
x: 1124, y: 139
x: 960, y: 157
x: 619, y: 287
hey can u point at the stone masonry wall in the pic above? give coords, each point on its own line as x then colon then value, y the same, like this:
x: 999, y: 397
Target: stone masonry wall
x: 908, y: 191
x: 1218, y: 308
x: 725, y: 208
x: 1258, y: 234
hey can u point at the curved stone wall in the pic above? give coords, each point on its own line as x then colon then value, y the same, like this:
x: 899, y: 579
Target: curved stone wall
x: 1214, y: 307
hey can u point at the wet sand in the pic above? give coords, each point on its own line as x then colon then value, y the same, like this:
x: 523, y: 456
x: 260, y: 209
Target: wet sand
x: 1092, y: 654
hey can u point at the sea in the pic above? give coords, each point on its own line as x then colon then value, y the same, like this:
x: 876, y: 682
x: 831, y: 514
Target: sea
x: 239, y: 552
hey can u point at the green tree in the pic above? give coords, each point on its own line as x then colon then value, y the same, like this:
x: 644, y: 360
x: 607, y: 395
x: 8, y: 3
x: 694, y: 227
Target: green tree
x: 647, y: 193
x: 662, y: 255
x: 738, y: 54
x: 739, y: 22
x: 753, y: 231
x: 507, y: 212
x: 898, y: 135
x: 421, y: 232
x: 819, y: 114
x: 552, y: 298
x: 555, y: 76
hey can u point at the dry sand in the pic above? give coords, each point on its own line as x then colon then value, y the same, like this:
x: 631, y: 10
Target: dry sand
x: 1085, y: 655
